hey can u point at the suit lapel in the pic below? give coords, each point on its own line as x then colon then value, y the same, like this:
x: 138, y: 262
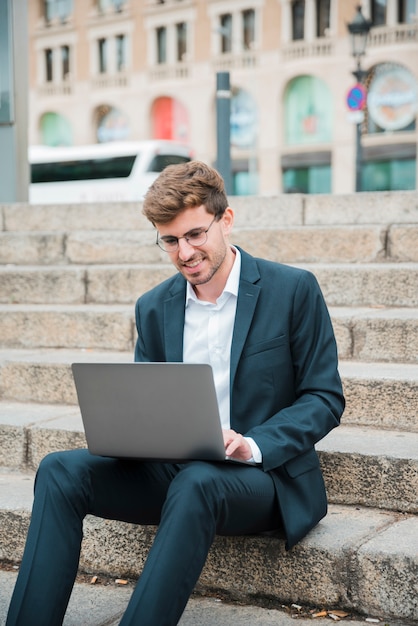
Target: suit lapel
x: 174, y: 320
x: 246, y: 304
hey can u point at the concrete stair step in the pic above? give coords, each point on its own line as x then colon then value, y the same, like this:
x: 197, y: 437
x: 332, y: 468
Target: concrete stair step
x: 266, y: 212
x: 378, y: 394
x: 371, y: 284
x: 377, y: 334
x: 364, y: 466
x: 300, y: 244
x: 357, y: 558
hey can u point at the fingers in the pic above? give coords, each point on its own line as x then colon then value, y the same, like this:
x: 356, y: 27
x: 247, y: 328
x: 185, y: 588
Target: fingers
x: 236, y: 445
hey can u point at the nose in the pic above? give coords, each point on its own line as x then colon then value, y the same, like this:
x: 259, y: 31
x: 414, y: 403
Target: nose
x: 185, y: 249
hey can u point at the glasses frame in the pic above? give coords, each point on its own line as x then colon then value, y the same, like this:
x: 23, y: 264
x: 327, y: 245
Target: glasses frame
x: 160, y: 242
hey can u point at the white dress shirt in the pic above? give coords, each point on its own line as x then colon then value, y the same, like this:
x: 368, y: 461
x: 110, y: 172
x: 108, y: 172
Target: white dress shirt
x: 207, y: 339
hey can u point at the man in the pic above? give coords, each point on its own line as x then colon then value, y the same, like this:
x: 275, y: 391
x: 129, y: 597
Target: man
x: 265, y: 330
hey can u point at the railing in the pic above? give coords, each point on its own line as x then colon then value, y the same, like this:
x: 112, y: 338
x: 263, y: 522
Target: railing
x: 105, y: 81
x: 400, y: 33
x: 165, y: 71
x: 235, y: 61
x: 301, y: 49
x: 55, y: 89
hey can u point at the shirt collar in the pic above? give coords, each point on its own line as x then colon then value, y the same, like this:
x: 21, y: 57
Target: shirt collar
x: 232, y: 284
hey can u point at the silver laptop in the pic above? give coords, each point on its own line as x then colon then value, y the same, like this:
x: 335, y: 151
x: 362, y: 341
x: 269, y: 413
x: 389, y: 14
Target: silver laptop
x: 154, y: 411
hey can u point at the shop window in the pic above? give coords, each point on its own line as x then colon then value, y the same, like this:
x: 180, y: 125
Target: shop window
x: 170, y: 120
x: 310, y: 179
x: 390, y: 175
x: 308, y: 111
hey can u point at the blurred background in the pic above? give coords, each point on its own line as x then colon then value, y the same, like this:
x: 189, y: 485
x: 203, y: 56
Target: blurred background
x: 300, y: 121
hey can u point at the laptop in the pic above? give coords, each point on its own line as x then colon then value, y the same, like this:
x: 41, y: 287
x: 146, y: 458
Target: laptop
x: 150, y: 411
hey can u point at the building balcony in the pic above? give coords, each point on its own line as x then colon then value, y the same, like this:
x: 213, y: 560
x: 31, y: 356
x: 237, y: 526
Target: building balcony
x: 301, y: 49
x: 397, y: 34
x: 166, y: 71
x: 246, y: 59
x: 50, y: 89
x: 109, y: 81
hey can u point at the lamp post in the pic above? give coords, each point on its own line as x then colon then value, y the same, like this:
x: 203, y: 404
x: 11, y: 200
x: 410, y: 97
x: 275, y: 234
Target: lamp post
x: 359, y: 30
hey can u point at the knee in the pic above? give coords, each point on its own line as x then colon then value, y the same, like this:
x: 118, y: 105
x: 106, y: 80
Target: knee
x: 196, y: 483
x: 63, y: 471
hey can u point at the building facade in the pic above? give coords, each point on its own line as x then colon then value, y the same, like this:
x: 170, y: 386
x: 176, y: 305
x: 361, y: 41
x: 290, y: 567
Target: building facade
x: 105, y: 70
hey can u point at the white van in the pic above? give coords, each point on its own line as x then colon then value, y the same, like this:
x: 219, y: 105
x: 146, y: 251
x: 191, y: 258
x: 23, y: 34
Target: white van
x: 108, y: 172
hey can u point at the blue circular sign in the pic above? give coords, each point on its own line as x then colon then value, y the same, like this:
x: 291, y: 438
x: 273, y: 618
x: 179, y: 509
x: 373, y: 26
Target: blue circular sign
x: 356, y: 97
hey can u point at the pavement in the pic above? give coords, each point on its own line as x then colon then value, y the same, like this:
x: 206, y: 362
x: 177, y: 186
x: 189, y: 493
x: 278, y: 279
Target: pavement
x: 103, y: 604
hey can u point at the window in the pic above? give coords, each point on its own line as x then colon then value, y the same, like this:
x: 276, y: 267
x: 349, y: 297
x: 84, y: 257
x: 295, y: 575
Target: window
x: 102, y: 48
x: 181, y: 35
x: 407, y: 11
x: 86, y: 169
x: 225, y: 30
x: 378, y: 12
x: 48, y: 65
x: 390, y: 175
x: 323, y: 8
x: 160, y: 161
x: 105, y: 5
x: 312, y: 179
x: 57, y: 9
x: 298, y: 19
x: 65, y: 60
x: 161, y: 34
x: 120, y: 53
x: 248, y: 28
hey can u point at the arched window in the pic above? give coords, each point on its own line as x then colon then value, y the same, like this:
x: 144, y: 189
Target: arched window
x: 111, y: 123
x: 55, y: 130
x: 307, y: 111
x: 170, y: 119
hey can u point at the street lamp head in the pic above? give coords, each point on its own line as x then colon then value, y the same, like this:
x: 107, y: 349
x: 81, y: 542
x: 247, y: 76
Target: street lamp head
x: 359, y: 30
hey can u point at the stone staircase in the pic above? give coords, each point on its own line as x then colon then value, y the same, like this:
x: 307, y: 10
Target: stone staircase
x: 69, y: 278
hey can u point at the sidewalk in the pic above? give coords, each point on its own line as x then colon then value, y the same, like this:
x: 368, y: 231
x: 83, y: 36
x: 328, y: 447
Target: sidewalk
x: 104, y: 604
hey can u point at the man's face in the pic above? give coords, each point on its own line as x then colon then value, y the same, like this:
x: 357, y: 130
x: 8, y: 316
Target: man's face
x: 200, y: 264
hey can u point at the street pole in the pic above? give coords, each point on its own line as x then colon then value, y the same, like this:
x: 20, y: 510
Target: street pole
x: 360, y: 75
x: 223, y: 128
x: 14, y: 168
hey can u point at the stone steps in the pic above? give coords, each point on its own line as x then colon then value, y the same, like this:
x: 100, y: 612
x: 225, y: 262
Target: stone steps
x: 351, y: 456
x: 359, y: 331
x: 343, y: 284
x: 300, y: 244
x: 357, y: 558
x: 69, y: 278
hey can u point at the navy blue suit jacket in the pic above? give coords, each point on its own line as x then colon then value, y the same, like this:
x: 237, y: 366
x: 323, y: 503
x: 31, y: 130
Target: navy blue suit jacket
x: 286, y: 392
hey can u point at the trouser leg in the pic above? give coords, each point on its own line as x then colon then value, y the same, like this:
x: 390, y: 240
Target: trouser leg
x: 69, y: 485
x: 203, y: 499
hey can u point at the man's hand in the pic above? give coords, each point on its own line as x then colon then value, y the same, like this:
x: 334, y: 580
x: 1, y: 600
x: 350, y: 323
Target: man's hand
x: 236, y: 446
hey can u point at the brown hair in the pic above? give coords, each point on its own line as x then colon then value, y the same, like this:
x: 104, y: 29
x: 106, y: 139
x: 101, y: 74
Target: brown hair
x: 185, y: 186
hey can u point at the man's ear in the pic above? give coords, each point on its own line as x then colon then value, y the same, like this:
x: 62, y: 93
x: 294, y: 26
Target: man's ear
x: 228, y: 220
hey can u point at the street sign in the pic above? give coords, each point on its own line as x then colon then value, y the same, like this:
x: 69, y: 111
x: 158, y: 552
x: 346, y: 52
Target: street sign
x: 356, y: 97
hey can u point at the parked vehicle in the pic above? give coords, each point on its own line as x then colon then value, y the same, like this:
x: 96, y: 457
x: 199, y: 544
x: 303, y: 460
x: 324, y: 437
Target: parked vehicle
x: 108, y: 172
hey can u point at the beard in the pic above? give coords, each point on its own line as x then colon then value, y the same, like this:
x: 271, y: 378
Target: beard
x: 212, y: 263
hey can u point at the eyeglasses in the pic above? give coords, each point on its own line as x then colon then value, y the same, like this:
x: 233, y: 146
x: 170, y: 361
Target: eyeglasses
x: 196, y: 237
